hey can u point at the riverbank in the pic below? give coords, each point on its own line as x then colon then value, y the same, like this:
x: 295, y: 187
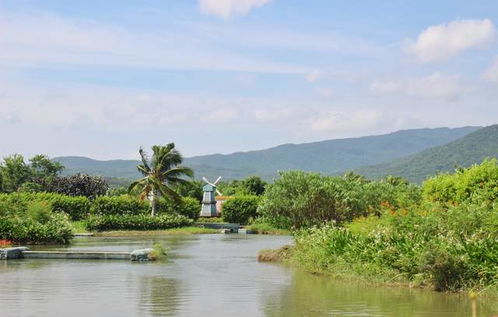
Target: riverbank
x: 173, y: 231
x: 80, y: 228
x: 364, y: 273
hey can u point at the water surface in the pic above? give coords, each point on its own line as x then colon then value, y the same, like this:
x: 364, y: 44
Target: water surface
x: 205, y: 275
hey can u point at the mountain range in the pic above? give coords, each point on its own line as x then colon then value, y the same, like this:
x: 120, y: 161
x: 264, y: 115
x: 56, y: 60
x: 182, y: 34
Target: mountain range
x: 413, y: 154
x: 468, y: 150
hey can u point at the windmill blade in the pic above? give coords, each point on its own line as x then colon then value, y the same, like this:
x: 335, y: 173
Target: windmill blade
x: 205, y: 179
x: 217, y: 180
x: 219, y: 193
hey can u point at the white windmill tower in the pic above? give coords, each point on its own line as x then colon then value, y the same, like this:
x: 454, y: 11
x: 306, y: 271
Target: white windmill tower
x: 208, y: 208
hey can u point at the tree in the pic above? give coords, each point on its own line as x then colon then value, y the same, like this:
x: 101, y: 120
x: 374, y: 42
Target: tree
x: 253, y: 185
x: 161, y: 172
x: 80, y: 185
x: 43, y: 167
x: 14, y: 172
x: 190, y: 189
x: 395, y: 180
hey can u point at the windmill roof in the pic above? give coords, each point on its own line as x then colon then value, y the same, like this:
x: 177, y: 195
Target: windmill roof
x: 208, y: 188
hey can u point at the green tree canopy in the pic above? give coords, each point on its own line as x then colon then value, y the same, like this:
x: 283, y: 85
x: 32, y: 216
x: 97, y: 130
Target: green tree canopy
x: 14, y: 172
x: 43, y: 167
x: 160, y: 173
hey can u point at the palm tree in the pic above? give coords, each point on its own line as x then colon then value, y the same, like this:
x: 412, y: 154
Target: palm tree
x: 160, y: 172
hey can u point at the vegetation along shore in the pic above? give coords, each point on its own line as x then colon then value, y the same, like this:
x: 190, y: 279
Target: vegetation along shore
x: 441, y: 234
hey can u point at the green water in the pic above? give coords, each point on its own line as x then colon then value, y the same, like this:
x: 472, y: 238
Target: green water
x: 206, y: 275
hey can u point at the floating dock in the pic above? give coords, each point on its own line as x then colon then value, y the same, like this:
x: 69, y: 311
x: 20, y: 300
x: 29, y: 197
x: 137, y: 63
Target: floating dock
x: 24, y: 253
x: 233, y: 227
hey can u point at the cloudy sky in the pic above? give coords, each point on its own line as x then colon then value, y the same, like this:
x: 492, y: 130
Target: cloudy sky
x: 101, y: 78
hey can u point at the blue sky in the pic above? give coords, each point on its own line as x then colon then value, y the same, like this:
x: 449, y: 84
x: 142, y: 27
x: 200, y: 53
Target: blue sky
x: 101, y: 78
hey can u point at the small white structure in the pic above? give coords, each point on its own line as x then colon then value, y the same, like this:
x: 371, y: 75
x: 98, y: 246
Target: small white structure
x: 208, y: 208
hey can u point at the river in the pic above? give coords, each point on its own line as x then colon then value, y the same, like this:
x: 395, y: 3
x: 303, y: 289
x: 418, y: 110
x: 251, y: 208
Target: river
x: 205, y: 275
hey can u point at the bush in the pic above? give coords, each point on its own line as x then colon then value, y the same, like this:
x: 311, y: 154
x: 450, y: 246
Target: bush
x: 136, y: 222
x: 119, y: 205
x: 478, y: 183
x: 298, y: 199
x: 55, y: 228
x: 76, y: 207
x: 130, y: 205
x: 39, y: 211
x: 451, y: 249
x: 240, y: 209
x: 189, y: 208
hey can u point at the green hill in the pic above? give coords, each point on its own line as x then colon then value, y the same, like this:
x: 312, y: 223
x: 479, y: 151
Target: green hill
x: 329, y: 157
x: 463, y: 152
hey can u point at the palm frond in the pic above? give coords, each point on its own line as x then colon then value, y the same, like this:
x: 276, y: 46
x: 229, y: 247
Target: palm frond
x: 136, y: 183
x: 144, y: 158
x: 178, y: 172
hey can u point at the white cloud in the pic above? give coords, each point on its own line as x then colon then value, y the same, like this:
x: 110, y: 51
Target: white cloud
x: 223, y: 115
x: 41, y: 38
x: 491, y: 74
x: 437, y: 85
x: 324, y: 92
x: 384, y: 87
x: 314, y: 75
x: 228, y: 8
x: 442, y: 41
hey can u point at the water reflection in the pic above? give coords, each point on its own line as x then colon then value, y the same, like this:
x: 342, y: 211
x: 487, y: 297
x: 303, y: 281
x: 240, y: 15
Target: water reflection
x: 205, y: 275
x: 159, y: 296
x: 315, y: 295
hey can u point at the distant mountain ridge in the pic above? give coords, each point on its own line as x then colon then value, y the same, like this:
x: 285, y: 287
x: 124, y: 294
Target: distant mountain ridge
x: 468, y: 150
x: 328, y: 157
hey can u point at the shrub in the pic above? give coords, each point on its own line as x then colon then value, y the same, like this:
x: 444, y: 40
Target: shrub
x: 450, y: 249
x: 76, y: 207
x: 55, y: 229
x: 299, y: 200
x: 136, y: 222
x: 39, y: 211
x: 478, y: 183
x: 240, y: 209
x: 189, y: 207
x: 119, y: 205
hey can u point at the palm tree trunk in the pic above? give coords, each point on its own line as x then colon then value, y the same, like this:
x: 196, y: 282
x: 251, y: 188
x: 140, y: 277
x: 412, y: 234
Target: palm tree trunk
x: 153, y: 204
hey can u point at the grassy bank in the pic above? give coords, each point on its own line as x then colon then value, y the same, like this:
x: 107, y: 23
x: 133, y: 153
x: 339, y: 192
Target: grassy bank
x: 361, y: 273
x: 446, y: 239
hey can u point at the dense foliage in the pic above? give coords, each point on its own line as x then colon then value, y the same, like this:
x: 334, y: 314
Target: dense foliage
x: 76, y: 207
x: 240, y: 209
x: 33, y: 223
x: 36, y: 175
x: 79, y: 185
x: 299, y: 199
x: 188, y: 207
x: 478, y: 183
x: 252, y: 185
x: 449, y: 240
x: 130, y: 205
x: 160, y: 173
x: 118, y: 205
x: 136, y: 222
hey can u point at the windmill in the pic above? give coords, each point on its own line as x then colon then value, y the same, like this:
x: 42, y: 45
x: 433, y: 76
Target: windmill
x: 208, y: 208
